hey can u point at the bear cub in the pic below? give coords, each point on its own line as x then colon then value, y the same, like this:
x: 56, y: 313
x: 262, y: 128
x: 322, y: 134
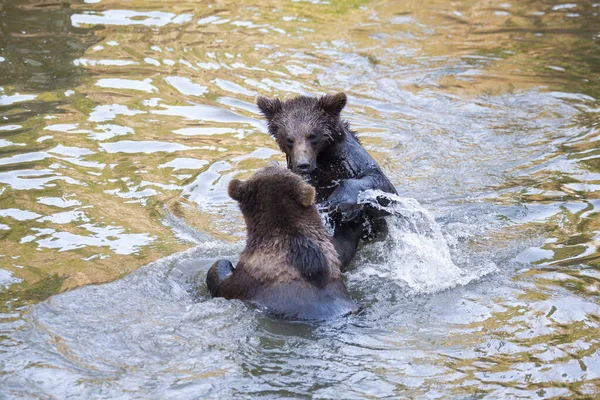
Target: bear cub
x: 289, y: 265
x: 320, y: 146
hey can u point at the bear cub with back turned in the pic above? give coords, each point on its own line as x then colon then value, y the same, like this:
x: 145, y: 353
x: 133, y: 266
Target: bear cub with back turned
x: 289, y: 265
x: 320, y: 146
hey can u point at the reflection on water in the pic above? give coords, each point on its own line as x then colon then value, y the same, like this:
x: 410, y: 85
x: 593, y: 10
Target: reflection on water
x: 122, y: 124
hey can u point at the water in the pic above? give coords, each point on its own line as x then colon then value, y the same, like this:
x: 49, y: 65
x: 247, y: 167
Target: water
x: 121, y: 125
x: 415, y: 253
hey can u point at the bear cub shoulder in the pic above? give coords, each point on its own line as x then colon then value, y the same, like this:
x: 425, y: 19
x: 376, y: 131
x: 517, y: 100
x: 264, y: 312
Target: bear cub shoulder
x: 289, y: 265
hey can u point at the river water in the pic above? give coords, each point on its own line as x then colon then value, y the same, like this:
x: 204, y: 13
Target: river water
x: 121, y: 124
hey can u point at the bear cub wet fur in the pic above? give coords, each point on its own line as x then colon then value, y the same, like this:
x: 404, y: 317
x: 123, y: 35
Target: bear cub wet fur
x: 320, y: 146
x: 289, y: 265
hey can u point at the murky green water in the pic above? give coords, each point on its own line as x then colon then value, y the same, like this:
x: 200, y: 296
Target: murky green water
x: 121, y: 124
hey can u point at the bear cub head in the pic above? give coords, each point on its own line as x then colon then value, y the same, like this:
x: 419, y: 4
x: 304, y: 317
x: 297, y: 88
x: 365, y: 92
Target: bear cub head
x: 304, y: 126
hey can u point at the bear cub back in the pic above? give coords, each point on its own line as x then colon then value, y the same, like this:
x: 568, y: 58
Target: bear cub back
x: 289, y: 265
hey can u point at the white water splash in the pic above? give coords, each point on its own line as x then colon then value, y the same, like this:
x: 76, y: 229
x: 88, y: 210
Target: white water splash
x: 415, y: 251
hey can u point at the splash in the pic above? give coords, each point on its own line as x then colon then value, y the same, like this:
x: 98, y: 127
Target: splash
x: 415, y: 253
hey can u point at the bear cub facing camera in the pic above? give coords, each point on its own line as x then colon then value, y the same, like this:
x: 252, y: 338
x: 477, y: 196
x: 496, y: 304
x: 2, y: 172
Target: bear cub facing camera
x: 320, y: 146
x: 289, y: 265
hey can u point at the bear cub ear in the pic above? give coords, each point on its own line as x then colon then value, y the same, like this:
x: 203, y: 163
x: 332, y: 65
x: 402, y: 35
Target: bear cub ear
x: 307, y: 195
x: 269, y: 107
x: 235, y: 189
x: 333, y: 103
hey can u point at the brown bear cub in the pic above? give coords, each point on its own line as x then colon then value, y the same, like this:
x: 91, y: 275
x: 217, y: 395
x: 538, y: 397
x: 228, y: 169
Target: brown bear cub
x: 289, y: 265
x: 320, y: 146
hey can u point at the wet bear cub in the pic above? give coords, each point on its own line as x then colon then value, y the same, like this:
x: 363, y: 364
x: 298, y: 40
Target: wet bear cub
x: 320, y: 146
x: 289, y: 265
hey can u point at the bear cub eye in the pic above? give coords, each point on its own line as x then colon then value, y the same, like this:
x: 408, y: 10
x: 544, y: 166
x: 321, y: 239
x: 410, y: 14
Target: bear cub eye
x: 289, y: 141
x: 312, y: 137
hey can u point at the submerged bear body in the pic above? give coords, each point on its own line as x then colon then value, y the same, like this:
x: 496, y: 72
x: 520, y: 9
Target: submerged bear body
x: 320, y: 146
x: 289, y: 265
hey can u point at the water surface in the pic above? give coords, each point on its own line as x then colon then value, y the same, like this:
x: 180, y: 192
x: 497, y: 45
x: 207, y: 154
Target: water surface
x: 121, y: 125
